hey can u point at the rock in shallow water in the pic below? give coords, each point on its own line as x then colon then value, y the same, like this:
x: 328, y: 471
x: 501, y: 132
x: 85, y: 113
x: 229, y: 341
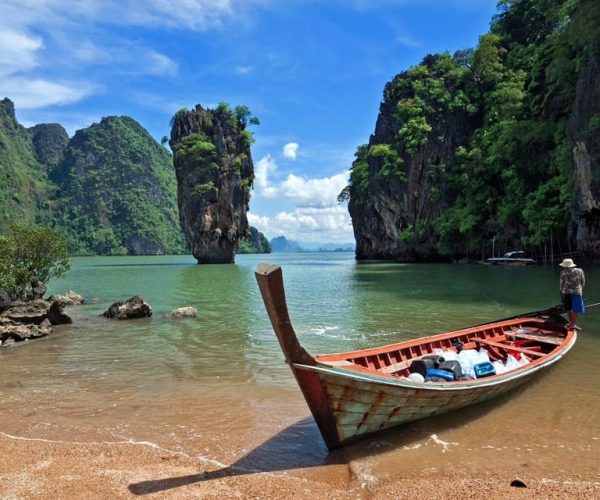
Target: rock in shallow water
x: 132, y: 308
x: 183, y: 312
x: 68, y: 299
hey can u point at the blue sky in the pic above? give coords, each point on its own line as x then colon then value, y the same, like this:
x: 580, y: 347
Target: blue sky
x: 312, y: 71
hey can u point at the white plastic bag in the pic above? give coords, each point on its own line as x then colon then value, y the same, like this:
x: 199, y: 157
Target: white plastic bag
x: 468, y: 359
x: 447, y: 355
x: 511, y: 363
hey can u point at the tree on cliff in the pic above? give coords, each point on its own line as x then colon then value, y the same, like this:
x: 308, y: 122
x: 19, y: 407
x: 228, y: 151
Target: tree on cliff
x: 30, y: 255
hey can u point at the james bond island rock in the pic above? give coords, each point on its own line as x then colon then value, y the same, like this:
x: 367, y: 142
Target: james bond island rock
x: 135, y: 307
x: 213, y: 164
x: 489, y: 150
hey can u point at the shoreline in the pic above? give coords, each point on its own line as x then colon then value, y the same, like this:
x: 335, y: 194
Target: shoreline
x: 42, y: 468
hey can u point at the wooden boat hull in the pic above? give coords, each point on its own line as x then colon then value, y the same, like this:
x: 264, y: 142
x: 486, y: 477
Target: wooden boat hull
x: 361, y: 406
x: 355, y: 394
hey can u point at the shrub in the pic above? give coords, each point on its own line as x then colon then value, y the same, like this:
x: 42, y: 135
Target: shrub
x: 29, y: 255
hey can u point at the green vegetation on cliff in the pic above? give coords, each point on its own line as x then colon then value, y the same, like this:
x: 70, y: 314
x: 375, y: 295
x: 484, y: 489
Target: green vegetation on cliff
x: 475, y: 150
x: 257, y: 242
x: 24, y: 187
x: 111, y: 188
x: 118, y: 191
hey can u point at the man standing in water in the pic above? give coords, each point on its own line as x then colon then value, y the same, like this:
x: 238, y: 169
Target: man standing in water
x: 572, y: 281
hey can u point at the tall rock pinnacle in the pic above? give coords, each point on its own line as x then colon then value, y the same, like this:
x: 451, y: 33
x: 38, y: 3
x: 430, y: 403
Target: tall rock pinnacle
x: 213, y: 164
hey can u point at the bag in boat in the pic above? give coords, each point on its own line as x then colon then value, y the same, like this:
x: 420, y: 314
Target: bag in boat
x: 453, y: 367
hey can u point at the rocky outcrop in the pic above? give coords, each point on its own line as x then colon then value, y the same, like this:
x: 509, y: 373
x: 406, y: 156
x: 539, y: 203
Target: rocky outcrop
x: 132, y: 308
x: 30, y: 320
x: 36, y: 312
x: 470, y: 154
x: 11, y: 332
x: 49, y: 143
x: 183, y: 312
x: 213, y: 164
x: 68, y: 299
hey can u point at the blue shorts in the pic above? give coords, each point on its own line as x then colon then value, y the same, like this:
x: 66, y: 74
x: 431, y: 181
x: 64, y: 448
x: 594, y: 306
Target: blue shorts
x: 574, y: 303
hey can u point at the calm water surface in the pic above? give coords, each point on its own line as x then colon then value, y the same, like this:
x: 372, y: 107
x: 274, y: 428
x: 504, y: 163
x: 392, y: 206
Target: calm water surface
x: 216, y: 387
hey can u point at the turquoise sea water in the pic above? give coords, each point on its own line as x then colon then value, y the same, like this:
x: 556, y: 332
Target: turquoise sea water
x: 216, y: 387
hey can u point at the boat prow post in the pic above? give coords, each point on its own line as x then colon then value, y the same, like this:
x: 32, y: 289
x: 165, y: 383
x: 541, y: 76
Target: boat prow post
x: 270, y: 282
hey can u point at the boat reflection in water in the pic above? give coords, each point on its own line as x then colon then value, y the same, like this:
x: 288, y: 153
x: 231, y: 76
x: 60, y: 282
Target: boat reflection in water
x: 358, y: 393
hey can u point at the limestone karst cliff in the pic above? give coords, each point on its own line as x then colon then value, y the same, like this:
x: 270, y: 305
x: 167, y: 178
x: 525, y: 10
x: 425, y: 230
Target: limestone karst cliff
x: 491, y: 149
x: 213, y: 164
x: 111, y: 187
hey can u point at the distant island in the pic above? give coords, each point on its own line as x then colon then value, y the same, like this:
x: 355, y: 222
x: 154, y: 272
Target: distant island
x: 282, y: 244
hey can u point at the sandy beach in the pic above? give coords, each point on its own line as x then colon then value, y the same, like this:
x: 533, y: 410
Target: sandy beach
x: 34, y: 468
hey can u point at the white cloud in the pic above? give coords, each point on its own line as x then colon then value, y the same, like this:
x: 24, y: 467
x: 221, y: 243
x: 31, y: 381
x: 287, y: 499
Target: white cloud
x: 322, y: 225
x: 159, y: 64
x: 320, y: 192
x: 290, y: 150
x: 17, y: 51
x: 265, y: 166
x: 197, y: 15
x: 39, y: 93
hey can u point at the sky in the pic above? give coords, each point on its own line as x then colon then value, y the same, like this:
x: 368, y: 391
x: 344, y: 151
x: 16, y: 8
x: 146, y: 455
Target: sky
x: 312, y: 71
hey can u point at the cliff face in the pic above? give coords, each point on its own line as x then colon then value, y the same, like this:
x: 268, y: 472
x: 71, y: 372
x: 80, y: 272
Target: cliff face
x: 398, y: 183
x: 213, y: 164
x: 117, y: 191
x: 490, y: 150
x: 23, y: 183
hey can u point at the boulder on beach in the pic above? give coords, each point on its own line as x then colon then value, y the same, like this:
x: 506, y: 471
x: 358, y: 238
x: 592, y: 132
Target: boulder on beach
x: 135, y: 307
x: 183, y: 312
x: 68, y: 299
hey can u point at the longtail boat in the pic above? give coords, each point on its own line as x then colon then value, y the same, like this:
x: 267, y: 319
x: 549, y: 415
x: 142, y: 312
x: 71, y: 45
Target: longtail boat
x: 355, y: 394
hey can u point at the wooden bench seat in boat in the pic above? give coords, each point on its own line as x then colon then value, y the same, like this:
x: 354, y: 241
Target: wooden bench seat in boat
x: 546, y: 339
x: 508, y: 347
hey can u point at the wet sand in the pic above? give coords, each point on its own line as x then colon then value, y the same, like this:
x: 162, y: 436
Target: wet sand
x: 34, y: 468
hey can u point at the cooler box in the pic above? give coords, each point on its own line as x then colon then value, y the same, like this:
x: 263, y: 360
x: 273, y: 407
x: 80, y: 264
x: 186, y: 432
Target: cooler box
x: 485, y: 369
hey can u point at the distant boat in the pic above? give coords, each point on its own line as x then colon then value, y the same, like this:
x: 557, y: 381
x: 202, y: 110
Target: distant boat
x: 355, y: 394
x: 516, y: 258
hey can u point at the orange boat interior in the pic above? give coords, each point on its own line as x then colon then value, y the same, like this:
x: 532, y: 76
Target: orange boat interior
x: 533, y: 337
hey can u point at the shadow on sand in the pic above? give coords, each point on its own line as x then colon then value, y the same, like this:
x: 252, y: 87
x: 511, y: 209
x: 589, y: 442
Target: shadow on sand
x: 300, y: 446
